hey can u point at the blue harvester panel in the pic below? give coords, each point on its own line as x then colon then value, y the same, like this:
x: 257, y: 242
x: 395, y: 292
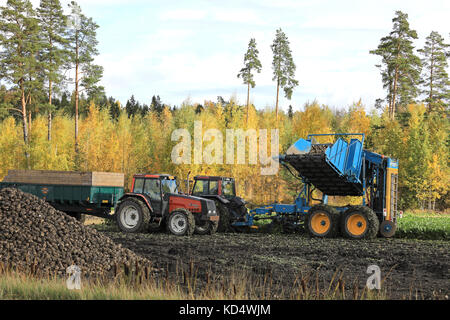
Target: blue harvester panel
x: 336, y: 155
x: 301, y: 146
x: 335, y: 170
x: 354, y: 157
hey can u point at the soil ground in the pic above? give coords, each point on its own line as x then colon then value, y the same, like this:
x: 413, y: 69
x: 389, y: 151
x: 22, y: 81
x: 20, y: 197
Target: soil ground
x: 410, y: 269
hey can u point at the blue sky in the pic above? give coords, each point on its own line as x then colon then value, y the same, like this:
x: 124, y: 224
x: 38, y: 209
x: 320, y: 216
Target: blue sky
x: 194, y: 49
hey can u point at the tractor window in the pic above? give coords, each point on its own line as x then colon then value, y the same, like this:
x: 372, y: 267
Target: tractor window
x: 169, y: 186
x: 152, y: 189
x: 214, y: 187
x: 138, y: 185
x: 228, y: 189
x: 201, y: 187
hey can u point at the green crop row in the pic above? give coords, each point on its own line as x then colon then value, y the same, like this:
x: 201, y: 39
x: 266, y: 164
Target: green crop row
x: 424, y: 226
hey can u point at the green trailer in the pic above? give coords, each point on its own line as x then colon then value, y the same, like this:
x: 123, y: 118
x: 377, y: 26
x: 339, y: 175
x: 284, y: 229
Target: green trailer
x: 75, y: 193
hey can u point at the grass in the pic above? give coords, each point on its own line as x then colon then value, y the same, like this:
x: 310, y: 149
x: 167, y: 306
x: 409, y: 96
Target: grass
x: 424, y: 225
x: 14, y: 286
x: 18, y: 285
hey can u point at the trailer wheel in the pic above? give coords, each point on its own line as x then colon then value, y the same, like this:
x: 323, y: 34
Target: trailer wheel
x: 132, y: 216
x: 322, y: 221
x: 359, y: 222
x: 206, y: 227
x: 181, y: 222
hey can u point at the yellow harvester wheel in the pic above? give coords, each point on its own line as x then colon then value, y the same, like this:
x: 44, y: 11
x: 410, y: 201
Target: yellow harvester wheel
x: 356, y: 224
x: 359, y: 222
x: 322, y: 221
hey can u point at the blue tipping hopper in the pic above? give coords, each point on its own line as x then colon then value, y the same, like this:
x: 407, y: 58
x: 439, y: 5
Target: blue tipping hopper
x: 334, y: 169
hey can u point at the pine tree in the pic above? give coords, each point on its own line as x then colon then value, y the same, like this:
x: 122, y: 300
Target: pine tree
x: 145, y: 110
x: 53, y: 55
x: 131, y: 107
x: 251, y: 62
x: 114, y: 108
x: 400, y: 68
x: 283, y: 66
x: 290, y: 112
x: 65, y: 103
x: 436, y: 82
x: 199, y: 109
x: 156, y: 106
x: 19, y: 45
x: 83, y: 48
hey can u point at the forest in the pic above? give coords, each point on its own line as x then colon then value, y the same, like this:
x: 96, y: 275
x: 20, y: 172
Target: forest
x: 54, y: 115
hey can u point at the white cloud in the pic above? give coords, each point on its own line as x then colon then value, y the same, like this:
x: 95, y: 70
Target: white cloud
x: 183, y: 15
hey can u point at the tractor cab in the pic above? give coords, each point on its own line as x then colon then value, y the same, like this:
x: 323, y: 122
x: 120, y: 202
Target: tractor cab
x: 214, y: 186
x: 156, y: 188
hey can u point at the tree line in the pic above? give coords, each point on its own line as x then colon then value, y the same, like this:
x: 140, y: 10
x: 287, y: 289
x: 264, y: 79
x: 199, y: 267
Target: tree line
x: 44, y: 125
x: 143, y: 143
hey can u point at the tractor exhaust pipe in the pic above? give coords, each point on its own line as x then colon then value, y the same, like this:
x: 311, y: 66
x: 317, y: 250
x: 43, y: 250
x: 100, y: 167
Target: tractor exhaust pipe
x: 187, y: 183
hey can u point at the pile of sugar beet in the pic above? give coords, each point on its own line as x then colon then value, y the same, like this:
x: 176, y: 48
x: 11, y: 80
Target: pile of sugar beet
x: 35, y: 236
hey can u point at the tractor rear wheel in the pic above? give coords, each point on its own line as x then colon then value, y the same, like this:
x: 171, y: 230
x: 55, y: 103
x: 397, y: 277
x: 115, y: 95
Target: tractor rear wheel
x: 322, y: 221
x: 206, y: 227
x: 359, y: 222
x: 181, y: 222
x: 132, y: 216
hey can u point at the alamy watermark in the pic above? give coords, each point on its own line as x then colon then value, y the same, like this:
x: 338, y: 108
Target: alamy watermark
x: 74, y: 19
x: 209, y: 147
x: 73, y: 282
x: 374, y: 280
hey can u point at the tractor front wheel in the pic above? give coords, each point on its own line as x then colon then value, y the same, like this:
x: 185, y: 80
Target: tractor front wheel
x: 206, y: 227
x: 181, y: 222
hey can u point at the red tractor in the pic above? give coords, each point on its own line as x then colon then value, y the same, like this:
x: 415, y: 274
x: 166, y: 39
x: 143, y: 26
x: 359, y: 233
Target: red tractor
x: 155, y: 202
x: 222, y: 190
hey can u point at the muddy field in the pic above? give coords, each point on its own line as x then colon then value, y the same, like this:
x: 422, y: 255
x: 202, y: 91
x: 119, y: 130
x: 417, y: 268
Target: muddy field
x: 282, y: 263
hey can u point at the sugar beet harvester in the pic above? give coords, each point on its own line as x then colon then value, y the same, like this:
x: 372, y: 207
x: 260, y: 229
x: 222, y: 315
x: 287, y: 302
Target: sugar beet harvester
x: 342, y: 168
